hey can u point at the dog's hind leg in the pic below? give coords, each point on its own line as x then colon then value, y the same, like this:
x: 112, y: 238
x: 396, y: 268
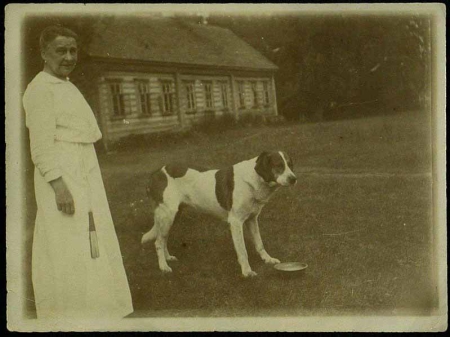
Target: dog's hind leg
x: 166, y: 250
x: 164, y: 217
x: 167, y: 254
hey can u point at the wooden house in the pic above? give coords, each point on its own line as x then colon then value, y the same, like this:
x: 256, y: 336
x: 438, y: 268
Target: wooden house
x: 160, y: 74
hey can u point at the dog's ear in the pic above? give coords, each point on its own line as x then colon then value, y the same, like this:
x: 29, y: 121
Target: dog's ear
x: 264, y: 168
x: 288, y: 160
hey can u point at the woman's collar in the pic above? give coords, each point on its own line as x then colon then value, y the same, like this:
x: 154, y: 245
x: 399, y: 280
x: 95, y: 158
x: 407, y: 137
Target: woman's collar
x: 53, y: 79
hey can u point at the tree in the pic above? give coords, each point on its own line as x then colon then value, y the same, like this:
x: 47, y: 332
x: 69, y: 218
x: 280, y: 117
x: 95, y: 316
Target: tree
x: 336, y: 61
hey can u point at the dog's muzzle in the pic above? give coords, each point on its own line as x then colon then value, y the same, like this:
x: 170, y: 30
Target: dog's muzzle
x: 292, y: 180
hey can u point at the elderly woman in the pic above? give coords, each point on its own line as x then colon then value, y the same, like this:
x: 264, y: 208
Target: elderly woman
x: 75, y: 274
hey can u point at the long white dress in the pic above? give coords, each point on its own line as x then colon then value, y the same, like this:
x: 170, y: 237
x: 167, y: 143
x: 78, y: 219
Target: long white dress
x: 67, y: 281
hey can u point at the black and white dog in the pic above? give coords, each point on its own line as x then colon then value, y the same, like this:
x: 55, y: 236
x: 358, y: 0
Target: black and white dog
x: 235, y: 194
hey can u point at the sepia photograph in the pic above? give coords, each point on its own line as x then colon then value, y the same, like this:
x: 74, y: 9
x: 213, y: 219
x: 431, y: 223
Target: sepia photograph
x: 226, y: 167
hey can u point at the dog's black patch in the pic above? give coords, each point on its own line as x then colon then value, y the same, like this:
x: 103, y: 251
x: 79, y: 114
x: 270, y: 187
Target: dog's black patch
x: 199, y: 168
x: 265, y: 165
x: 225, y: 187
x: 156, y: 186
x: 176, y: 170
x: 288, y: 160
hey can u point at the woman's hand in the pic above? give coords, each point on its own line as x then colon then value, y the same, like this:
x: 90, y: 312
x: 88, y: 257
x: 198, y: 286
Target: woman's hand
x: 64, y: 199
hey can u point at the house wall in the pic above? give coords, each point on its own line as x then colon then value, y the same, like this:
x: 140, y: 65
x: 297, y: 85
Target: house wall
x: 133, y: 121
x: 258, y: 106
x: 201, y: 110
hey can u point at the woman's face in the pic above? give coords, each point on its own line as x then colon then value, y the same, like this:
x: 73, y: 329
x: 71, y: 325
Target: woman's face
x: 60, y: 56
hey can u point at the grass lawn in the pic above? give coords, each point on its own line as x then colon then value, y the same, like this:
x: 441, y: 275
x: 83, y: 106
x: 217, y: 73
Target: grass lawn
x: 360, y: 217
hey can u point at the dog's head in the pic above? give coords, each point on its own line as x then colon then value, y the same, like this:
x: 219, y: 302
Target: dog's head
x: 275, y: 168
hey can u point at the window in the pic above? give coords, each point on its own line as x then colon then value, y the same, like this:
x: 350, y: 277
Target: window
x: 143, y: 87
x: 224, y: 91
x: 117, y: 98
x: 255, y: 94
x: 266, y: 93
x: 168, y: 97
x: 208, y: 95
x: 190, y: 96
x: 241, y: 93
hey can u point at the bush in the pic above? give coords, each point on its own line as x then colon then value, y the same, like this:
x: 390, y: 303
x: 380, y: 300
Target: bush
x: 215, y: 124
x: 211, y: 124
x: 251, y: 119
x: 276, y: 120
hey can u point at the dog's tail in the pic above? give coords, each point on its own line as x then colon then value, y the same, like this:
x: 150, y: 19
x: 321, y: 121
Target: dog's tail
x: 155, y: 190
x: 156, y: 185
x: 149, y: 236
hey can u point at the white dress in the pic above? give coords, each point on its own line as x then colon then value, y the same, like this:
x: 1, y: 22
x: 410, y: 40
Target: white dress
x: 67, y: 281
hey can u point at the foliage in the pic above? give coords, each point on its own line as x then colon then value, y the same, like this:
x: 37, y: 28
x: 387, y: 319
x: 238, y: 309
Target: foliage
x: 213, y: 124
x: 326, y: 62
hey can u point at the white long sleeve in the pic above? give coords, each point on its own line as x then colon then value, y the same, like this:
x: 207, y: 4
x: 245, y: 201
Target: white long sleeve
x: 41, y: 121
x: 56, y: 111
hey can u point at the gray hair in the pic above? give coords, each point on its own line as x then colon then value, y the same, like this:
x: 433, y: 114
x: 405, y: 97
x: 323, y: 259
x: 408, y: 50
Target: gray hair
x: 52, y: 32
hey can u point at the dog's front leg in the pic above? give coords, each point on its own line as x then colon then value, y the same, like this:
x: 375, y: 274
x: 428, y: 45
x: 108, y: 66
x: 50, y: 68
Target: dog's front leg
x: 256, y: 236
x: 164, y: 218
x: 237, y: 233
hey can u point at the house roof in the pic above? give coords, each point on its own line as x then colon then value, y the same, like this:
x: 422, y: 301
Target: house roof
x: 174, y: 41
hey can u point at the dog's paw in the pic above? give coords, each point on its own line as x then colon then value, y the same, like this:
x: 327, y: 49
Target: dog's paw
x: 171, y: 258
x: 166, y: 269
x: 271, y: 260
x: 250, y: 273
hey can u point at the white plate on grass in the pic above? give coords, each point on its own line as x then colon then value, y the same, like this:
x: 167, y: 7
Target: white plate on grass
x: 290, y: 266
